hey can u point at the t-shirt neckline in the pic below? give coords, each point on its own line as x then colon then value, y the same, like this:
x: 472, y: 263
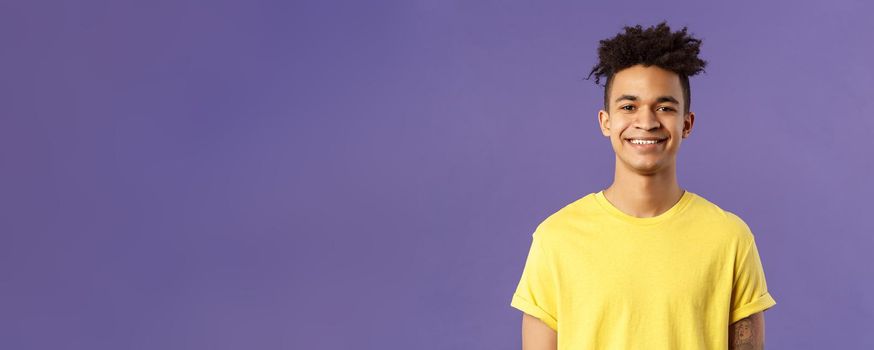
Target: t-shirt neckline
x: 672, y: 212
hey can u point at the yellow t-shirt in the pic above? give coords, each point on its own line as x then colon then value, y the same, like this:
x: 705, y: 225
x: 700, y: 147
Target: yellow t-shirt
x: 603, y: 279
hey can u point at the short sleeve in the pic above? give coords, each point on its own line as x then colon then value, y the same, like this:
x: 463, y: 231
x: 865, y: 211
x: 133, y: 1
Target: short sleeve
x: 749, y: 293
x: 537, y: 292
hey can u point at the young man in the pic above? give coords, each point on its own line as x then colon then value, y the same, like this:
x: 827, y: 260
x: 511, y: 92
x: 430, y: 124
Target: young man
x: 644, y: 263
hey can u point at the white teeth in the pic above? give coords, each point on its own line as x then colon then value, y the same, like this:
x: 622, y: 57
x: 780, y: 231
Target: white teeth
x: 644, y: 142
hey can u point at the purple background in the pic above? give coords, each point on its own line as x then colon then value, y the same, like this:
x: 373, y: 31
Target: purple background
x: 367, y: 175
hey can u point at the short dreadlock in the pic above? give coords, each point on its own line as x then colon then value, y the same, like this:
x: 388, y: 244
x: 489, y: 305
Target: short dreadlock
x: 676, y: 52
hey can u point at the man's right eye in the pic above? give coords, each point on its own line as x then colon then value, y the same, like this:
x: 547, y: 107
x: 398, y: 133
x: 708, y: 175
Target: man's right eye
x: 623, y: 107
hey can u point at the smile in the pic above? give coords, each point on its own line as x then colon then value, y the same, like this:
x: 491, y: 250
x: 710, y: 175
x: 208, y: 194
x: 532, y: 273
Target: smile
x: 646, y: 145
x: 645, y: 142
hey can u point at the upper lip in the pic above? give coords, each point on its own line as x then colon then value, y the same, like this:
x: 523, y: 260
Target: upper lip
x: 645, y: 138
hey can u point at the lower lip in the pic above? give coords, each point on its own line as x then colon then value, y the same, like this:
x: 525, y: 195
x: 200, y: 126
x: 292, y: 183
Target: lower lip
x: 646, y: 147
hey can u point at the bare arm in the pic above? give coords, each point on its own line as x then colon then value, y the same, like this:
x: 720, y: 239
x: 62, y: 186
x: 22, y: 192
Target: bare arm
x: 536, y: 335
x: 747, y: 333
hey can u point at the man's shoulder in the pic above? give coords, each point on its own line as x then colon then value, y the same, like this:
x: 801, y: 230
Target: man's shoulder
x: 569, y: 216
x: 718, y: 218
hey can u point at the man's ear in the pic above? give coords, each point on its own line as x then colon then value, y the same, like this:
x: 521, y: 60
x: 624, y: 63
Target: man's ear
x: 604, y: 122
x: 688, y: 122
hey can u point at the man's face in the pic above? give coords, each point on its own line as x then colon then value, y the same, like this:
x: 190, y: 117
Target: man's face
x: 646, y: 103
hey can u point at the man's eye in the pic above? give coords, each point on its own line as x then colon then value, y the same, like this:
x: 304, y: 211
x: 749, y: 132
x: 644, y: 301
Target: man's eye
x: 668, y: 109
x: 623, y: 107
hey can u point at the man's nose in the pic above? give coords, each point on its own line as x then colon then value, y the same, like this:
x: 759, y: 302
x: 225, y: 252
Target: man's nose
x: 647, y: 119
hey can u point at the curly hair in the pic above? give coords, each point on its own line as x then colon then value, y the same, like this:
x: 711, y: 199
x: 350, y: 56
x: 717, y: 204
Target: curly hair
x: 657, y: 45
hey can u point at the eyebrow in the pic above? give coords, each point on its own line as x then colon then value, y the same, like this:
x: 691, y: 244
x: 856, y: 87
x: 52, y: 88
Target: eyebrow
x: 658, y: 100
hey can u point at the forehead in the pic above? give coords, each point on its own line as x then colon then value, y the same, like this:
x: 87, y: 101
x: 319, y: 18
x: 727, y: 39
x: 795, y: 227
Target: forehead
x: 646, y: 82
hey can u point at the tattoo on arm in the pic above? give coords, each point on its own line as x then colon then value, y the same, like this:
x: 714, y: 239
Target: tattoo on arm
x: 748, y: 333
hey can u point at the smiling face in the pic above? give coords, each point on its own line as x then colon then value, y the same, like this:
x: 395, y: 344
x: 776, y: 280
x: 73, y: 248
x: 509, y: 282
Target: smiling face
x: 646, y: 103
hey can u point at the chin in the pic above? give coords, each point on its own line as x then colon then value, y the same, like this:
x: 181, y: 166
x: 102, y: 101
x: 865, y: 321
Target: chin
x: 646, y: 168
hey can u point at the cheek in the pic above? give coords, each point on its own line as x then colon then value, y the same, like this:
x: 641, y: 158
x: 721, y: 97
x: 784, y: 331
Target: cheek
x: 616, y: 140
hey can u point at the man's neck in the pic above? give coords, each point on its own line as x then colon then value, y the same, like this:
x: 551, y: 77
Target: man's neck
x: 644, y: 196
